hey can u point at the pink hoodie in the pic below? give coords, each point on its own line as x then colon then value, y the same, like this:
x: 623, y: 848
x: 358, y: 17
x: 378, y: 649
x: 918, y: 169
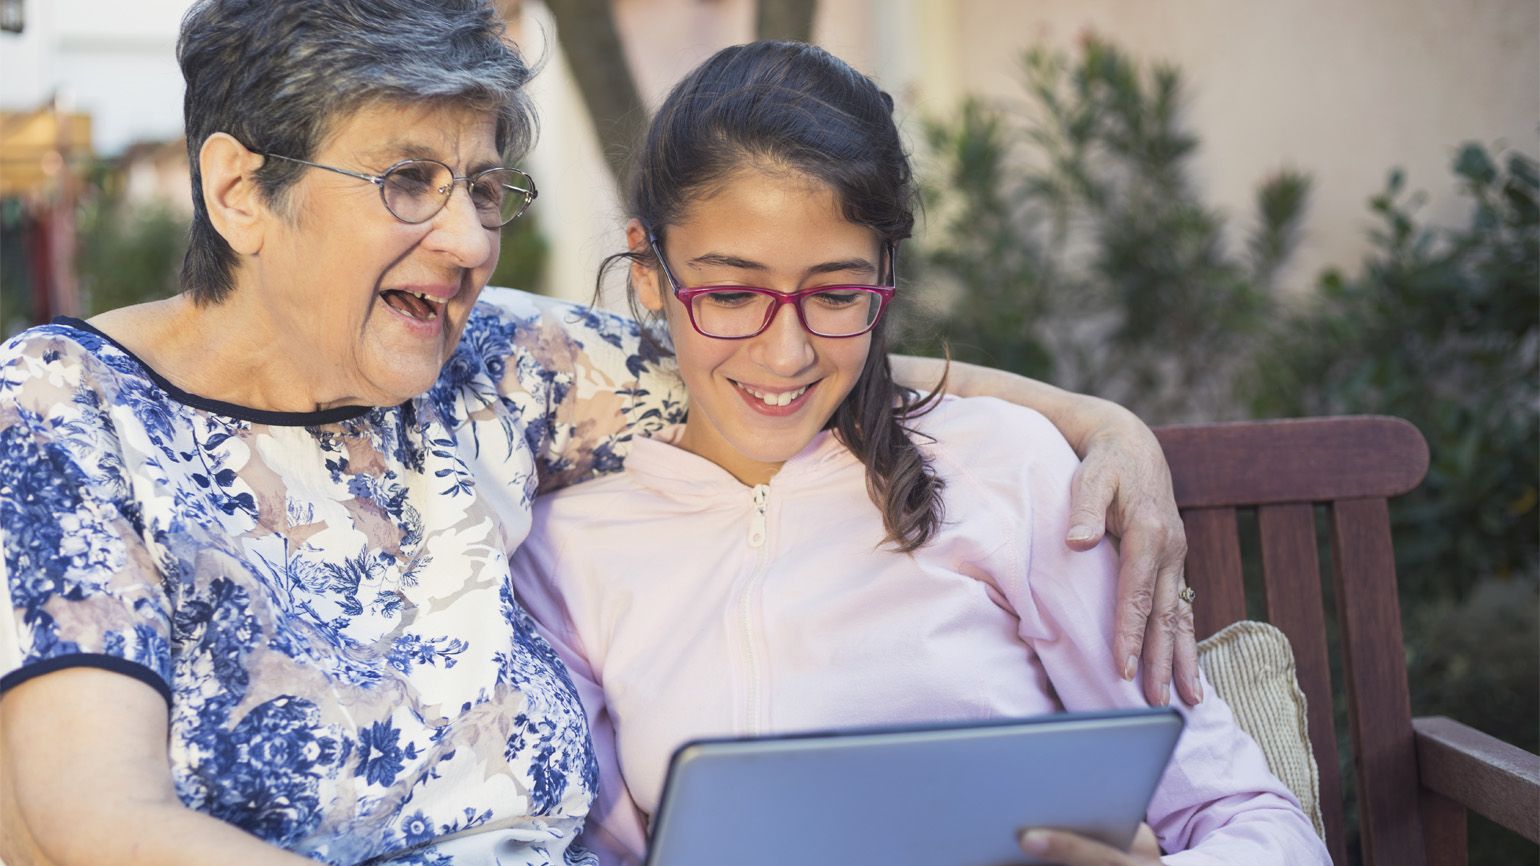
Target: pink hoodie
x: 705, y: 608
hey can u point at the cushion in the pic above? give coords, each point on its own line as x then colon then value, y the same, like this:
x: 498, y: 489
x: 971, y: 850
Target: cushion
x: 1251, y: 667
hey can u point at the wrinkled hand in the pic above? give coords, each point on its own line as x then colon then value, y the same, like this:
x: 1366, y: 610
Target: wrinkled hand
x: 1123, y: 486
x: 1068, y: 849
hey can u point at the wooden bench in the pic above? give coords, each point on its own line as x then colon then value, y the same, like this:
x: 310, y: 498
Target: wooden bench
x: 1415, y: 778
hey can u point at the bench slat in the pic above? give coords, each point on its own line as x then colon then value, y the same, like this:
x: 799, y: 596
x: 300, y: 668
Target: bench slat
x: 1300, y: 460
x: 1214, y: 568
x: 1291, y: 577
x: 1379, y: 704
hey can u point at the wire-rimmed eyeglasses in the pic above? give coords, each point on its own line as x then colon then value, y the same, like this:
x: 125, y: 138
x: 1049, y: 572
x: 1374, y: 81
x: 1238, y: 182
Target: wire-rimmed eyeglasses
x: 415, y: 190
x: 741, y: 312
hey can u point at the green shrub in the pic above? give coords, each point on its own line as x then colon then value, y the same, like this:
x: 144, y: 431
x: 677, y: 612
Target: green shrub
x: 522, y: 262
x: 1069, y: 242
x: 127, y: 254
x: 1441, y: 327
x: 15, y: 270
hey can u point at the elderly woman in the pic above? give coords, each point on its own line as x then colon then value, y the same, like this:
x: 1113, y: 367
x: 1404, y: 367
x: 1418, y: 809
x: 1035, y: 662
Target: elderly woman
x: 256, y: 536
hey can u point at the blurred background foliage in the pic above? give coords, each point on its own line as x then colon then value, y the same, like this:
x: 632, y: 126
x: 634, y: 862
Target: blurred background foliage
x: 126, y: 254
x: 1439, y: 327
x: 15, y: 273
x: 522, y: 262
x: 1068, y: 243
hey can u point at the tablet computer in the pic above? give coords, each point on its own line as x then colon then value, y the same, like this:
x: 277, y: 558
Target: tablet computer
x: 953, y: 795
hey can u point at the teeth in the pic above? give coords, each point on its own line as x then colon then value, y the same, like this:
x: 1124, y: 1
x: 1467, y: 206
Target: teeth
x: 782, y: 399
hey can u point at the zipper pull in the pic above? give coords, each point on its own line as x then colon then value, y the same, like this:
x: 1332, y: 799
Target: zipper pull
x: 757, y: 524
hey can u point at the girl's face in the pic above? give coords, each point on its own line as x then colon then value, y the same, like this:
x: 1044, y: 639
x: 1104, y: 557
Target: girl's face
x: 778, y: 230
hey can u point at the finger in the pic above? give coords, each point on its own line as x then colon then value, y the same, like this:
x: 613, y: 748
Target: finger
x: 1068, y: 849
x: 1160, y: 635
x: 1137, y: 564
x: 1090, y: 496
x: 1184, y: 664
x: 1146, y: 843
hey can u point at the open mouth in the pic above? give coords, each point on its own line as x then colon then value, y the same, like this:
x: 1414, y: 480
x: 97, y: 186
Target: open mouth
x: 783, y: 398
x: 415, y: 305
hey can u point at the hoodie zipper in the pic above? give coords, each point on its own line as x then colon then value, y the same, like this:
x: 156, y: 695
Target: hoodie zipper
x: 757, y: 522
x: 756, y: 539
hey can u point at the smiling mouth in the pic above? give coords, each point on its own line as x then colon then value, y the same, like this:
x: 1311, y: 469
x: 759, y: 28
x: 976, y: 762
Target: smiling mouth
x: 784, y: 398
x: 414, y: 304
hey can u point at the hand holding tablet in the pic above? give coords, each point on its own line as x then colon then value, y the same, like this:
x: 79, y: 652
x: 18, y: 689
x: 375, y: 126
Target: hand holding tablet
x: 1064, y: 848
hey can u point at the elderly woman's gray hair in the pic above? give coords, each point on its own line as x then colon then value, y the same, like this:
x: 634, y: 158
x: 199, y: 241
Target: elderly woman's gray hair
x: 276, y: 74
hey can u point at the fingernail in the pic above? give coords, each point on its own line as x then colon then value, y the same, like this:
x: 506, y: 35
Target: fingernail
x: 1164, y: 698
x: 1197, y: 689
x: 1081, y: 532
x: 1034, y: 842
x: 1130, y: 665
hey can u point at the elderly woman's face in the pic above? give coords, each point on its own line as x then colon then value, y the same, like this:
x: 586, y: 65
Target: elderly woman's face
x: 377, y: 304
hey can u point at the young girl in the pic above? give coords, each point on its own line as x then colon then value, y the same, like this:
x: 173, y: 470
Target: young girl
x: 854, y: 554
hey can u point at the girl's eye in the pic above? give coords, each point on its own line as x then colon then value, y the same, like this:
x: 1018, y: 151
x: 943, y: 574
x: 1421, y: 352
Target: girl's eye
x: 729, y: 299
x: 836, y: 298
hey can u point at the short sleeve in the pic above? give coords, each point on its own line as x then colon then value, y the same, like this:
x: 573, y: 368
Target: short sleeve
x: 585, y: 382
x: 81, y: 587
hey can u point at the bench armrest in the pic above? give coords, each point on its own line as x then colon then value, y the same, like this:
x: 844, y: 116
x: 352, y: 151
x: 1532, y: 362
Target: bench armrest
x: 1495, y: 779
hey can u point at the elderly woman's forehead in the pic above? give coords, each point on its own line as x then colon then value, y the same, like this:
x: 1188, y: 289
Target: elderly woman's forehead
x: 417, y: 128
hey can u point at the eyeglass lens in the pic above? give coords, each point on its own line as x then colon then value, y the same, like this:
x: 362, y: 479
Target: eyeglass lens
x: 418, y: 189
x: 841, y: 311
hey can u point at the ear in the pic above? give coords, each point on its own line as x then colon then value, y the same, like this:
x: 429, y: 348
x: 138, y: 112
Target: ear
x: 645, y: 278
x: 235, y: 204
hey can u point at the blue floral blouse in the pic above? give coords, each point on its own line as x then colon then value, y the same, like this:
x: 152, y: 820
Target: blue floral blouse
x: 323, y: 598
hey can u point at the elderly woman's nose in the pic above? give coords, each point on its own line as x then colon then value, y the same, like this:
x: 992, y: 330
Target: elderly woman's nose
x: 457, y: 230
x: 785, y: 348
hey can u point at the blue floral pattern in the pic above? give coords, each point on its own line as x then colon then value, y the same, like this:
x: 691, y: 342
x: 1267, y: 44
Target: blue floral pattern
x: 325, y: 600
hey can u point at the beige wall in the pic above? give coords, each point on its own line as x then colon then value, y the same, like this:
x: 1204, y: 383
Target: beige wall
x: 1340, y: 90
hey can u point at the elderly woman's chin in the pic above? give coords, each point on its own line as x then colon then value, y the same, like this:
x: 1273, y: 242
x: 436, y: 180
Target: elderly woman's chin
x: 405, y: 345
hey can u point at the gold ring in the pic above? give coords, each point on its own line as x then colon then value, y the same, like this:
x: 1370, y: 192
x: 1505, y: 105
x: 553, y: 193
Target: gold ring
x: 1188, y: 594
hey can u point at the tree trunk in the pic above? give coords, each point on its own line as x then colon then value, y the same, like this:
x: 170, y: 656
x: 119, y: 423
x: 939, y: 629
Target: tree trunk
x: 586, y: 31
x: 785, y: 19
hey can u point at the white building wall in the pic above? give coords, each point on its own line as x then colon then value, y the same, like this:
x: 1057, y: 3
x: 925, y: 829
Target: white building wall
x: 114, y: 60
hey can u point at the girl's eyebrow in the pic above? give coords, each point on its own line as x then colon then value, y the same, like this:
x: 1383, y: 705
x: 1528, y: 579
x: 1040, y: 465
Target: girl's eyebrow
x: 859, y: 265
x: 726, y: 261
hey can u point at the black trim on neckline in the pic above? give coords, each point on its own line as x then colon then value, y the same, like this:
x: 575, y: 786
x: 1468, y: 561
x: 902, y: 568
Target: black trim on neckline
x: 220, y: 407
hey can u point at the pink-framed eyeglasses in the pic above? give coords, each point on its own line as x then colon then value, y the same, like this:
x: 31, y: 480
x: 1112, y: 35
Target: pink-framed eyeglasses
x: 741, y: 312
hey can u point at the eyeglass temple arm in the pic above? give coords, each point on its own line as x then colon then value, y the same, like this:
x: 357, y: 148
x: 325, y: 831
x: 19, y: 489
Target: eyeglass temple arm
x: 374, y: 179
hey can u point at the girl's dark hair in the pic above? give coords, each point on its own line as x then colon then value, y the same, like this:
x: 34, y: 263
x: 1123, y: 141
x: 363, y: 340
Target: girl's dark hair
x: 788, y: 105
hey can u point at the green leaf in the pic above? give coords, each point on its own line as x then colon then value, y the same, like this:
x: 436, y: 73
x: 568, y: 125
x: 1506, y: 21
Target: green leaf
x: 1474, y: 164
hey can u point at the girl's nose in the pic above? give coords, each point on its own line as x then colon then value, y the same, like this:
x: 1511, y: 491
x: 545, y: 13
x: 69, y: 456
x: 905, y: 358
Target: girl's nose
x: 785, y: 348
